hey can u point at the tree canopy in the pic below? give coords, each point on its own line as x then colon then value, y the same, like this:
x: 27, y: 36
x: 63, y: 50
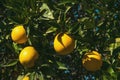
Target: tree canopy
x: 94, y: 25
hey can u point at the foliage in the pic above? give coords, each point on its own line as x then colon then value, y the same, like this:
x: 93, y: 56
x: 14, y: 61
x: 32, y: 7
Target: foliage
x: 94, y: 24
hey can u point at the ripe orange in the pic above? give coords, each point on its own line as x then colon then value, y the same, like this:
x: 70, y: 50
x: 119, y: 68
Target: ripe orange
x: 92, y: 61
x: 28, y: 56
x: 18, y: 34
x: 26, y: 78
x: 63, y: 44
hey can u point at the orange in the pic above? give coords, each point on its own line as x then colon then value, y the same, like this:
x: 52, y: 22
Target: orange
x: 92, y: 61
x: 28, y: 56
x: 18, y: 34
x: 26, y: 78
x: 63, y: 44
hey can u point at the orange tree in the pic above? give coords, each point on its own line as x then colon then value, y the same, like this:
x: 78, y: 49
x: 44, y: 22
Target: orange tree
x: 89, y: 37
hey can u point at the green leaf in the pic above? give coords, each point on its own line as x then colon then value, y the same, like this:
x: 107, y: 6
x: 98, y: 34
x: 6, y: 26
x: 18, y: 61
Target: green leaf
x: 83, y: 19
x: 48, y: 14
x: 11, y: 63
x: 68, y: 8
x: 61, y: 65
x: 50, y: 30
x: 41, y: 77
x: 105, y: 77
x: 32, y: 75
x: 67, y: 1
x: 117, y: 40
x: 114, y: 75
x: 118, y: 68
x: 100, y: 23
x: 44, y: 65
x: 16, y: 47
x: 20, y: 77
x: 110, y: 70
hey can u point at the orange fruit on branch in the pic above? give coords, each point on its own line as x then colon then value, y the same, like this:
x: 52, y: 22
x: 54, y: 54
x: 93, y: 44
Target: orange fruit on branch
x: 63, y: 44
x: 92, y: 61
x: 28, y: 56
x: 18, y: 34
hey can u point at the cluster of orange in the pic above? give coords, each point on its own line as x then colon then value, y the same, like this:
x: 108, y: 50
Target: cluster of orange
x: 63, y: 45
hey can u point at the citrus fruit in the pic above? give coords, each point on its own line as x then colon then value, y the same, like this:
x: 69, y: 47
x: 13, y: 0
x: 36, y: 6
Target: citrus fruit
x: 18, y: 34
x: 63, y: 43
x: 28, y: 56
x: 26, y: 78
x: 92, y: 61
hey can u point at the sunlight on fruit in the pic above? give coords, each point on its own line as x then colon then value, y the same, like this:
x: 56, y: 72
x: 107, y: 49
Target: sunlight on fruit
x: 63, y: 44
x: 18, y: 34
x: 92, y: 61
x: 28, y: 56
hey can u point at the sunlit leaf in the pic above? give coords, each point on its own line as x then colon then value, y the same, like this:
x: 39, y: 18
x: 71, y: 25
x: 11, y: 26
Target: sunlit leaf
x: 48, y: 13
x: 20, y: 77
x: 61, y: 65
x: 67, y: 1
x: 51, y: 29
x: 83, y: 19
x: 117, y: 40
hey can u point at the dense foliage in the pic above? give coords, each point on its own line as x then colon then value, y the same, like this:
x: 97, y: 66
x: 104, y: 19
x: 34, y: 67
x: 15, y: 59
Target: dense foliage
x: 94, y: 24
